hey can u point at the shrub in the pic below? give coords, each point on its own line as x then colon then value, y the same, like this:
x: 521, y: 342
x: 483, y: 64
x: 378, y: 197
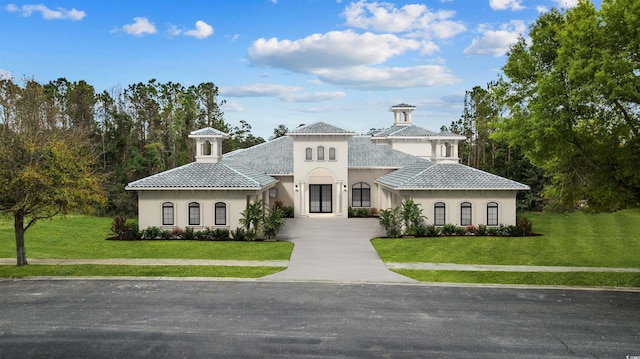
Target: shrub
x: 526, y: 226
x: 470, y: 229
x: 152, y: 232
x: 373, y: 212
x: 515, y: 231
x: 362, y: 212
x: 177, y: 233
x: 239, y: 234
x: 189, y: 234
x: 287, y: 211
x: 165, y: 234
x: 220, y: 234
x: 481, y: 230
x: 421, y: 230
x: 252, y: 218
x: 273, y: 223
x: 391, y: 222
x: 449, y: 230
x: 432, y: 231
x: 411, y: 216
x: 119, y: 227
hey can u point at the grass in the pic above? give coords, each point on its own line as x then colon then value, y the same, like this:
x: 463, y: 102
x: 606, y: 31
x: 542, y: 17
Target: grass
x: 576, y: 239
x: 534, y: 278
x: 136, y: 271
x: 80, y: 236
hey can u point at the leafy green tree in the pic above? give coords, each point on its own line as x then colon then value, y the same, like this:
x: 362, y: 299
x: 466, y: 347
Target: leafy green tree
x: 573, y: 103
x: 47, y: 168
x: 279, y: 131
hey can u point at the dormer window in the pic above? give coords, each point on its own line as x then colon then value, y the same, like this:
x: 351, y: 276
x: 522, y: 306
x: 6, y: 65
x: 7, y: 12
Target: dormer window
x: 320, y: 153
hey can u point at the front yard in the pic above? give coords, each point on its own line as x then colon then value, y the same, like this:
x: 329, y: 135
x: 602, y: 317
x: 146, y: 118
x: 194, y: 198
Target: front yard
x: 574, y: 240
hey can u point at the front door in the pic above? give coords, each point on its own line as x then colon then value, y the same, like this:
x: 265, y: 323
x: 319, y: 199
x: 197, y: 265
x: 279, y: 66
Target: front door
x: 320, y: 196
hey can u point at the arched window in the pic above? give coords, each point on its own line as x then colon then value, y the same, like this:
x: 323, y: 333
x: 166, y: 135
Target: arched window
x: 167, y: 214
x: 194, y: 214
x: 465, y: 214
x: 309, y: 154
x: 220, y: 214
x: 448, y: 149
x: 332, y: 154
x: 439, y: 218
x: 492, y: 214
x: 360, y: 195
x: 206, y: 150
x: 320, y: 153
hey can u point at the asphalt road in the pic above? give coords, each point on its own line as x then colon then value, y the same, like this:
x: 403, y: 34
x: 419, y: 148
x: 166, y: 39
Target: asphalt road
x: 192, y: 319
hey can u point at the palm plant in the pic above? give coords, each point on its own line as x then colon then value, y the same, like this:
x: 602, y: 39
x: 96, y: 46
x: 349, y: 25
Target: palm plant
x: 391, y: 222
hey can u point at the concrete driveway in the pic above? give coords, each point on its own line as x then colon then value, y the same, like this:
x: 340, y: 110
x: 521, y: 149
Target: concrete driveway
x: 334, y: 249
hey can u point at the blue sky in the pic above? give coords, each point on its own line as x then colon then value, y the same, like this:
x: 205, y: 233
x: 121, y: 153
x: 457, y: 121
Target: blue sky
x: 277, y: 62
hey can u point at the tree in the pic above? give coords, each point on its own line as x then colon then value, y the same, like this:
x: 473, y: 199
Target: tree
x: 279, y: 131
x: 47, y: 167
x: 574, y: 103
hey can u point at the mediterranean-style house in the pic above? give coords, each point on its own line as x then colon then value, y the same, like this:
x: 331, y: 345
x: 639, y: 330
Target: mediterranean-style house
x: 322, y: 170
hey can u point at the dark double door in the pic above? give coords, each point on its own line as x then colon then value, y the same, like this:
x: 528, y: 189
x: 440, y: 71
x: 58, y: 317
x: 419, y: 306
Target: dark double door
x: 320, y: 198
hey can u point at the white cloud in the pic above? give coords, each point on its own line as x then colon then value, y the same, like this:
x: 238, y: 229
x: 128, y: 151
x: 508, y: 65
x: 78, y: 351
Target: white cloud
x: 6, y: 75
x: 141, y: 26
x: 335, y: 49
x: 567, y: 3
x: 376, y: 78
x: 411, y: 18
x: 313, y: 96
x: 48, y: 14
x: 506, y: 4
x: 496, y: 42
x: 283, y: 92
x: 202, y: 30
x: 259, y: 90
x: 232, y: 106
x: 429, y: 48
x: 541, y: 9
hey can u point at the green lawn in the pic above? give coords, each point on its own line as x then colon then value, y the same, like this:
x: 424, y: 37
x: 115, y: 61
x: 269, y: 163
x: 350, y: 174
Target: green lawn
x: 80, y: 236
x: 137, y: 271
x: 576, y: 239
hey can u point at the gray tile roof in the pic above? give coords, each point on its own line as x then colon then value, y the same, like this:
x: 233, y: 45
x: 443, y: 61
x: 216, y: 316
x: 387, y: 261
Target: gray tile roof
x: 364, y: 153
x: 320, y: 128
x: 273, y: 157
x: 403, y: 105
x: 208, y: 131
x: 206, y: 175
x: 446, y: 176
x: 410, y: 131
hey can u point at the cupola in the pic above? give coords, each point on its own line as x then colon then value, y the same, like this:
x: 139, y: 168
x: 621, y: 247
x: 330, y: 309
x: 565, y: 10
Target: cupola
x: 208, y: 144
x: 402, y: 114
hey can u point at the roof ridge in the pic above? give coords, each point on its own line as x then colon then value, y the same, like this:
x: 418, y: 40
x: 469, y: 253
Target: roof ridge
x: 257, y: 183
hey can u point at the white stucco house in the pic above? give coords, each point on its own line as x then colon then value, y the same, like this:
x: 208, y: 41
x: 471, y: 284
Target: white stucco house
x: 322, y: 170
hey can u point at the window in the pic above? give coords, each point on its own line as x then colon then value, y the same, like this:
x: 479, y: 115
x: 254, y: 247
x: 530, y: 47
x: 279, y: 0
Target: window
x: 309, y: 154
x: 492, y: 214
x: 206, y: 150
x: 360, y: 195
x: 439, y: 218
x: 465, y: 214
x: 220, y: 214
x: 320, y: 153
x: 194, y: 214
x: 273, y: 193
x: 448, y: 149
x: 167, y: 214
x: 332, y: 154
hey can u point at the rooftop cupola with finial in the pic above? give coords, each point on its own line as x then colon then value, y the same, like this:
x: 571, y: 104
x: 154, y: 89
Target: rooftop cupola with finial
x: 208, y: 144
x: 402, y: 114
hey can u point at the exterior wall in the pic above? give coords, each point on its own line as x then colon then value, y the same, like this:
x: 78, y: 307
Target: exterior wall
x: 506, y: 204
x: 316, y: 171
x: 368, y: 176
x: 284, y: 190
x: 418, y: 148
x: 150, y: 207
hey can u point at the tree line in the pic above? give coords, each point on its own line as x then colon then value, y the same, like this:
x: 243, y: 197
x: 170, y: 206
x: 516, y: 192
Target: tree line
x: 133, y: 132
x: 564, y: 116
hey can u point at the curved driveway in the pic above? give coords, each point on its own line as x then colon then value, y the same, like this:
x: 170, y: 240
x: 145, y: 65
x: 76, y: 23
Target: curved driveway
x: 334, y: 249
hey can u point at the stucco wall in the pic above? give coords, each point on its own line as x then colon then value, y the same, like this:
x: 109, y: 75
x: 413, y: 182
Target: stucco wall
x: 284, y: 190
x: 367, y: 176
x: 453, y: 199
x: 150, y: 207
x: 419, y: 148
x: 479, y: 199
